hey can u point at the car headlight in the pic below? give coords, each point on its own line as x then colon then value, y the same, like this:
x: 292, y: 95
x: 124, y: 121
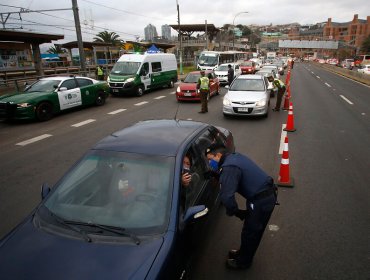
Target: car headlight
x: 261, y: 103
x: 226, y: 101
x: 108, y: 79
x: 178, y: 89
x: 24, y: 105
x: 129, y: 80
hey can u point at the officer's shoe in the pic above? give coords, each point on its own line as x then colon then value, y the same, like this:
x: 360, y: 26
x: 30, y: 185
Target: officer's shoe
x: 233, y: 253
x: 234, y: 264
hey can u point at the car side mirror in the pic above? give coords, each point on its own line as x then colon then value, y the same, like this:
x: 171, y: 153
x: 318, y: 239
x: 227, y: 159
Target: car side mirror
x: 270, y: 86
x: 227, y: 86
x: 45, y: 190
x: 195, y: 212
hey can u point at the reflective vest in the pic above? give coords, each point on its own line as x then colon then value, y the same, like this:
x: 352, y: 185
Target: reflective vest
x: 100, y: 72
x: 204, y: 83
x: 279, y: 83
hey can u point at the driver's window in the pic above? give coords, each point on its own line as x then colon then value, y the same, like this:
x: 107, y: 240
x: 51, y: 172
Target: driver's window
x: 145, y: 69
x: 69, y: 84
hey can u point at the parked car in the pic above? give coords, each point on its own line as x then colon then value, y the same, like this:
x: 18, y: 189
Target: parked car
x: 221, y: 72
x: 49, y: 96
x: 187, y: 89
x: 120, y: 212
x: 247, y: 95
x: 348, y: 63
x: 365, y: 69
x: 248, y: 67
x: 274, y: 67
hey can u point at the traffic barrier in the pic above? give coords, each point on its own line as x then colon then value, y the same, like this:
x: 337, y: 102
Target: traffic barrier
x: 287, y: 79
x: 290, y: 120
x: 284, y: 179
x: 286, y: 99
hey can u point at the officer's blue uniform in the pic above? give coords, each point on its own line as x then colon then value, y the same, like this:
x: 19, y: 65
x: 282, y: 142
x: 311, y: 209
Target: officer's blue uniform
x: 241, y: 175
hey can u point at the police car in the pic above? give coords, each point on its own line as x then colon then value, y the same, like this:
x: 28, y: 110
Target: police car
x: 51, y: 95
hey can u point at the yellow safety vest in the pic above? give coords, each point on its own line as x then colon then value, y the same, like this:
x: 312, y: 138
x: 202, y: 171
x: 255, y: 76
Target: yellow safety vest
x: 204, y: 83
x: 100, y: 72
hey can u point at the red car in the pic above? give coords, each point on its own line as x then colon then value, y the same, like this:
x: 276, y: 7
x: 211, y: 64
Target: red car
x: 248, y: 67
x: 187, y: 90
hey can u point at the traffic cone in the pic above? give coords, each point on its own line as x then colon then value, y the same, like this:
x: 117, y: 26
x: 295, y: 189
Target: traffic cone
x: 287, y: 79
x: 286, y: 99
x: 284, y: 179
x: 290, y: 121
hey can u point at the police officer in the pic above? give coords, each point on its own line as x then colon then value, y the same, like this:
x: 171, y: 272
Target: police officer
x: 203, y: 86
x: 230, y: 74
x: 99, y: 73
x: 281, y: 90
x: 239, y: 174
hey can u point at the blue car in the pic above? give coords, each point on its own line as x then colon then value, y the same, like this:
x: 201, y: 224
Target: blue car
x: 121, y: 212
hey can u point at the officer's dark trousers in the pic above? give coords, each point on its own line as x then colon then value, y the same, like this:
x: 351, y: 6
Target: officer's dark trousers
x: 204, y: 101
x: 279, y: 97
x: 254, y: 226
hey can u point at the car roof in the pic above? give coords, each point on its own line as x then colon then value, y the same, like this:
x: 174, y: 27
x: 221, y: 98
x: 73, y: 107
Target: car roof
x: 250, y: 77
x: 62, y: 78
x: 152, y: 137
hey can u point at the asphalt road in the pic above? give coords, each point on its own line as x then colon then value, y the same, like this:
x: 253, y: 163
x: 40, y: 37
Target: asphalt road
x: 321, y: 230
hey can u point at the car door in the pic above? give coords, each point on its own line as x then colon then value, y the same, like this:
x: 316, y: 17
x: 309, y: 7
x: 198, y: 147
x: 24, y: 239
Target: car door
x: 69, y: 95
x: 212, y: 84
x: 145, y: 75
x: 88, y: 91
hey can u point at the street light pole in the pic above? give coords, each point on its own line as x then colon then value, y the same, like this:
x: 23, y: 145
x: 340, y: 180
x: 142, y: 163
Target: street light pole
x: 234, y: 27
x: 180, y: 47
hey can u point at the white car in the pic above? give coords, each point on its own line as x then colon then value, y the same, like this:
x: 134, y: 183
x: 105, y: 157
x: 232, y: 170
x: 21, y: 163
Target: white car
x: 221, y: 72
x: 248, y: 95
x: 270, y: 66
x: 365, y: 69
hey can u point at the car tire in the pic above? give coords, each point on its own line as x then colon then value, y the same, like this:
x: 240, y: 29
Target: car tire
x: 171, y: 84
x: 100, y: 99
x: 140, y: 90
x: 44, y: 111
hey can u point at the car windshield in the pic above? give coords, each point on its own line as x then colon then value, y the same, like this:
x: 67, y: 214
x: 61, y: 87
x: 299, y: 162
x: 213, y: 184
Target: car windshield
x: 125, y: 68
x: 124, y: 190
x: 247, y: 63
x: 223, y: 68
x: 43, y: 86
x: 247, y: 85
x: 192, y: 78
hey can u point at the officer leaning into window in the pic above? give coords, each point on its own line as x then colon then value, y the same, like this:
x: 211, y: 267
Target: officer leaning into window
x: 239, y: 174
x: 281, y: 91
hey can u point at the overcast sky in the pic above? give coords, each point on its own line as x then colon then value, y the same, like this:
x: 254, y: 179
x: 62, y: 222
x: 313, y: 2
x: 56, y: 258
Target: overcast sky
x: 129, y: 18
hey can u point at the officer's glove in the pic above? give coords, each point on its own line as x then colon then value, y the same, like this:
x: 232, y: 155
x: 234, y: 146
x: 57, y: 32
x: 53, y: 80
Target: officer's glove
x: 241, y: 214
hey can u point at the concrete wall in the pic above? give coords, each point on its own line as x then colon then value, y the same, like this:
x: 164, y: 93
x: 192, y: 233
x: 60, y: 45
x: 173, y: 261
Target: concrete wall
x: 352, y: 74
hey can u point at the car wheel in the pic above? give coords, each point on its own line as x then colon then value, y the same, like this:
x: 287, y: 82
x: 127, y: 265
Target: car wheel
x: 140, y: 91
x: 171, y: 84
x: 100, y: 99
x: 44, y: 111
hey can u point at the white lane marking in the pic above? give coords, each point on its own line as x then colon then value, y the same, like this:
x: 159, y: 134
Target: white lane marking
x: 141, y: 103
x: 117, y: 111
x: 83, y: 123
x: 273, y: 227
x: 174, y: 92
x: 318, y: 77
x: 347, y: 100
x: 282, y: 139
x: 160, y: 97
x: 35, y: 139
x: 327, y: 84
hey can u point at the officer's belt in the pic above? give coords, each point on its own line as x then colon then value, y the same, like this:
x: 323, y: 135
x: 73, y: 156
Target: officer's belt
x: 263, y: 194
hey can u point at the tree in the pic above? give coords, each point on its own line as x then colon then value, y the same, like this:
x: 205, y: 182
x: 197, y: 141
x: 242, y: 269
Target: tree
x: 365, y: 48
x: 56, y: 49
x: 108, y: 37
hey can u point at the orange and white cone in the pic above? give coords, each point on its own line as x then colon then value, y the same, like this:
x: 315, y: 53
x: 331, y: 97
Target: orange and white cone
x: 284, y: 179
x: 290, y: 121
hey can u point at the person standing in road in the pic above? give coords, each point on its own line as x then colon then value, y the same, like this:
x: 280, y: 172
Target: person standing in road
x: 99, y: 73
x: 281, y: 91
x: 203, y: 86
x: 230, y: 74
x: 239, y: 174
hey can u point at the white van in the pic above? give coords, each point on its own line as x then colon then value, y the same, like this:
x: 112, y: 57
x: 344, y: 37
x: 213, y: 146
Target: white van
x: 137, y: 73
x: 222, y: 70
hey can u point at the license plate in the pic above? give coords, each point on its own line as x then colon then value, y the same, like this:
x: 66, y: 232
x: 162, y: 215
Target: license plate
x: 243, y: 109
x: 115, y: 90
x: 187, y: 93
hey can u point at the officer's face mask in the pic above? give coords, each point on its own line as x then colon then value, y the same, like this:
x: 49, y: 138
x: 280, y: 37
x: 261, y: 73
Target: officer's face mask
x: 214, y: 164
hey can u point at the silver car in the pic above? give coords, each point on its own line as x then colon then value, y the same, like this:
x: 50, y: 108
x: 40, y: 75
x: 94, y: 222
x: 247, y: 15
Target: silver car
x: 247, y: 95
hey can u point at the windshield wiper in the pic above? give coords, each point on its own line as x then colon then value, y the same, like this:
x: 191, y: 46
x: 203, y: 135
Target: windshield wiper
x: 117, y: 230
x: 76, y: 229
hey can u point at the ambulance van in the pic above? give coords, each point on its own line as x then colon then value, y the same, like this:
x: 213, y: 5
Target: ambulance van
x: 138, y: 73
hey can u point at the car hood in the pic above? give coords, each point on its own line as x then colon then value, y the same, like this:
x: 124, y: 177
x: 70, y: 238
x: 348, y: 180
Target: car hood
x: 188, y: 86
x: 119, y: 78
x: 221, y: 72
x: 21, y: 97
x: 246, y: 96
x: 31, y: 253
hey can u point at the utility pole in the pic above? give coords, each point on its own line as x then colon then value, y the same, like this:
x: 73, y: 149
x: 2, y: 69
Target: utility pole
x: 178, y: 21
x: 79, y: 37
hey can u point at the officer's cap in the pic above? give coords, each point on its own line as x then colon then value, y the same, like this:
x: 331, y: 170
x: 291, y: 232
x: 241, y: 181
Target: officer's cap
x: 214, y: 147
